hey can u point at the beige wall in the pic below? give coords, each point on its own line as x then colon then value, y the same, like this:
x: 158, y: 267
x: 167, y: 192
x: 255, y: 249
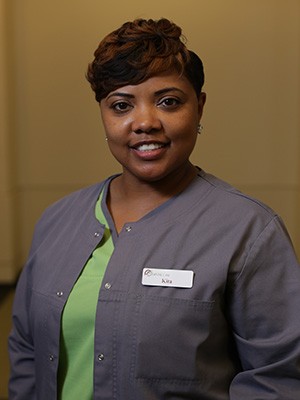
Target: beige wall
x: 251, y: 52
x: 7, y: 175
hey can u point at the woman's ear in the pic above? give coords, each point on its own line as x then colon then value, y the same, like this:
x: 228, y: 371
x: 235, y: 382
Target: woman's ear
x: 201, y: 102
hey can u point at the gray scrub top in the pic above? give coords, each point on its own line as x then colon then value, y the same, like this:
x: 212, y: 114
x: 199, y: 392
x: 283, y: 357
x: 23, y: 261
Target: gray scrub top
x: 235, y: 334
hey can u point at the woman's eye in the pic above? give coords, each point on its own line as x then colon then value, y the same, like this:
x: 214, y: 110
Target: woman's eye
x: 121, y: 106
x: 169, y: 102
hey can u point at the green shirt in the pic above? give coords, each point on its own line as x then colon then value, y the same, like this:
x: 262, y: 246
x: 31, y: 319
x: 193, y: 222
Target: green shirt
x: 75, y: 372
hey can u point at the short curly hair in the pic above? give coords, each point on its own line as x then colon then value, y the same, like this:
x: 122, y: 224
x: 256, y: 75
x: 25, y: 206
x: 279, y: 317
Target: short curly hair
x: 141, y: 49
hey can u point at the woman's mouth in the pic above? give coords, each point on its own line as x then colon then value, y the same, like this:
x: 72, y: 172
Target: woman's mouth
x: 149, y: 151
x: 149, y: 147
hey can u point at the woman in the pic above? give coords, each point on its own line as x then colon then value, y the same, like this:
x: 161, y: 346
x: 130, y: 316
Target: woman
x: 162, y: 282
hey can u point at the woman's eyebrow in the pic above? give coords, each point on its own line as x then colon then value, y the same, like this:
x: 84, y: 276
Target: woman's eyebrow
x: 157, y: 93
x: 168, y: 89
x: 121, y: 94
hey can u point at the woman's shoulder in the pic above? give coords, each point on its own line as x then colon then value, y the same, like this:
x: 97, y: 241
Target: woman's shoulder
x: 75, y: 206
x: 79, y: 198
x: 228, y: 198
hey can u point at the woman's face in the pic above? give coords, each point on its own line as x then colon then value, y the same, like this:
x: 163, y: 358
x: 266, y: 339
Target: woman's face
x: 152, y: 127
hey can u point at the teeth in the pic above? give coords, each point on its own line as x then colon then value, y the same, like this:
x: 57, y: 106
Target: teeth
x: 148, y: 147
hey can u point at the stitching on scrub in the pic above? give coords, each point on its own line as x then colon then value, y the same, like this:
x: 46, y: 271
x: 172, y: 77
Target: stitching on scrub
x: 178, y: 381
x: 253, y: 245
x: 189, y: 303
x: 114, y: 350
x: 50, y: 297
x: 134, y: 339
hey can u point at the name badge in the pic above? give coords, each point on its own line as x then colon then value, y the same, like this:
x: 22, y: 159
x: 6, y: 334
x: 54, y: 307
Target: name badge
x: 168, y: 277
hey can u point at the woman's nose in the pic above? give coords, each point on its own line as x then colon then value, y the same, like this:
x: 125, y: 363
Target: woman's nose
x: 146, y: 120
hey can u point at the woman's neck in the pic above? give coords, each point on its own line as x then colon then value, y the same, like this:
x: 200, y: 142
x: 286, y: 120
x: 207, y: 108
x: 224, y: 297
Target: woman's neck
x: 130, y: 199
x: 131, y: 188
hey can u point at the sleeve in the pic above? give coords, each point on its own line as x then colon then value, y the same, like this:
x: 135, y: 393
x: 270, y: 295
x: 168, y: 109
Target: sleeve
x: 264, y: 312
x: 20, y: 345
x: 20, y: 342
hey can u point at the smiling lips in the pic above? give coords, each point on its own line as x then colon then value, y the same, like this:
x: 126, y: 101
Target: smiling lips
x: 149, y: 151
x: 149, y: 146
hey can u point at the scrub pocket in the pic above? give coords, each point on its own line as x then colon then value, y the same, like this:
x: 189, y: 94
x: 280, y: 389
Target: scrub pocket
x: 172, y: 336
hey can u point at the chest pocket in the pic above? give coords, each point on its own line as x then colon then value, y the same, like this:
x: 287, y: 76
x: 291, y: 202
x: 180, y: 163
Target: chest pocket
x: 173, y: 339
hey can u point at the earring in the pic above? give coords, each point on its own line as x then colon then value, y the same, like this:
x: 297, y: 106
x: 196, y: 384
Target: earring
x: 106, y: 138
x: 200, y: 129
